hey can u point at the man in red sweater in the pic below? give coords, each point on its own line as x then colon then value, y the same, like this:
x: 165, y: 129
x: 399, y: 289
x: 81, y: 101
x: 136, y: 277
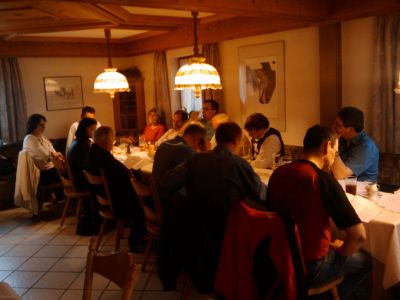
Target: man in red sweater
x: 305, y: 192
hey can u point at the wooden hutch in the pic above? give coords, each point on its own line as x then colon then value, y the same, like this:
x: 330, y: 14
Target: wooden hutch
x: 129, y: 107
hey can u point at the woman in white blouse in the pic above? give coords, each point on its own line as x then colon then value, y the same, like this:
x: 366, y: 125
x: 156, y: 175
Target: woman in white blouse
x: 41, y: 151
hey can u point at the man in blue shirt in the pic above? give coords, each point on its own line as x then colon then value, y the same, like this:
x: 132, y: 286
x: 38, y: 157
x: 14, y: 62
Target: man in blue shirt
x: 358, y: 153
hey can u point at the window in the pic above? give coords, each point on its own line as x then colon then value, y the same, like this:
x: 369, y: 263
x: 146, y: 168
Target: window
x: 188, y: 98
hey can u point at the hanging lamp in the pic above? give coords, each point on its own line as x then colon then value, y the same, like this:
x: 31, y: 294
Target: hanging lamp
x: 197, y: 75
x: 110, y: 81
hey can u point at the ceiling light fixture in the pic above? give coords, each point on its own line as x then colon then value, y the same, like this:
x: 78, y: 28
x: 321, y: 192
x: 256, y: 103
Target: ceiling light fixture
x: 197, y: 75
x: 110, y: 81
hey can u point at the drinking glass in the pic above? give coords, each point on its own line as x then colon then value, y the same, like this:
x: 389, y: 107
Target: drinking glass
x: 142, y: 143
x: 351, y: 185
x: 152, y: 150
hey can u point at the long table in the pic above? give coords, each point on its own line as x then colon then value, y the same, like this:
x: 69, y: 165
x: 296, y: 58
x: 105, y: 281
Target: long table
x: 382, y: 225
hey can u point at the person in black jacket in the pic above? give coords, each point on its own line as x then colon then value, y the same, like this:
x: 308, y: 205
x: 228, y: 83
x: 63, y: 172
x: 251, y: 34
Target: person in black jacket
x: 214, y: 180
x: 78, y: 150
x: 124, y: 200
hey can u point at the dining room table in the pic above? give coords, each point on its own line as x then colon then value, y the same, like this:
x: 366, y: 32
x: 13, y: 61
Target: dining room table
x: 381, y: 218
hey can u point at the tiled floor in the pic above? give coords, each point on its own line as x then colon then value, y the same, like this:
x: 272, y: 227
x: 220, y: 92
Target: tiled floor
x: 44, y: 261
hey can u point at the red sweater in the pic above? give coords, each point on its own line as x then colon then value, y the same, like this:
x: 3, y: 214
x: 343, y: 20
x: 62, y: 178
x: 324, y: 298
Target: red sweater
x: 246, y: 228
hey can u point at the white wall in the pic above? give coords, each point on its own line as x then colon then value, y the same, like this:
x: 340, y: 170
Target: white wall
x: 34, y: 69
x: 357, y: 67
x: 301, y: 78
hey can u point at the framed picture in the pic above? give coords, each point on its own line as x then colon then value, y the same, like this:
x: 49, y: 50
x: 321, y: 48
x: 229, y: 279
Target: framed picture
x: 262, y: 82
x: 63, y: 92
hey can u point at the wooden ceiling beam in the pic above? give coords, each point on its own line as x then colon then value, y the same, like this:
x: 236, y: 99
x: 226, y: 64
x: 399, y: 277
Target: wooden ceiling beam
x: 146, y: 20
x: 102, y: 13
x: 309, y: 8
x: 40, y: 26
x: 60, y: 49
x: 214, y: 32
x: 352, y: 9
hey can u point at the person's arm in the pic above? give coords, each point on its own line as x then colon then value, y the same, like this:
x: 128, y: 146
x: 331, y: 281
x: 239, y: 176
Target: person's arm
x: 355, y: 238
x: 254, y: 188
x: 39, y: 154
x: 340, y: 170
x: 342, y: 213
x: 270, y: 146
x: 175, y: 179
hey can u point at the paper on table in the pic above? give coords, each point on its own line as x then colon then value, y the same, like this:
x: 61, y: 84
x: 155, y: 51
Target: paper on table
x: 364, y: 208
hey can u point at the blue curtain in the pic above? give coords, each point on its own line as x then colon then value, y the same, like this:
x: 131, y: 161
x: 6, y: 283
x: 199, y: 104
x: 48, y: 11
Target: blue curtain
x: 385, y: 108
x: 12, y: 101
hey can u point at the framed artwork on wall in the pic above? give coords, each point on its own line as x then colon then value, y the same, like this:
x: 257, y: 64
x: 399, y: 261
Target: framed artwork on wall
x: 262, y: 82
x: 63, y: 92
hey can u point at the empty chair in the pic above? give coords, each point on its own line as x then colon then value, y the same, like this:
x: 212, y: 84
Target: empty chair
x: 153, y: 218
x: 105, y: 208
x: 7, y: 293
x: 70, y: 191
x: 118, y: 267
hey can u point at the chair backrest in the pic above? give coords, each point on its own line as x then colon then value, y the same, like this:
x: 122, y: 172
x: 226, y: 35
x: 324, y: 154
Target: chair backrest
x: 59, y: 164
x: 118, y: 267
x: 105, y: 202
x: 156, y: 198
x: 142, y: 191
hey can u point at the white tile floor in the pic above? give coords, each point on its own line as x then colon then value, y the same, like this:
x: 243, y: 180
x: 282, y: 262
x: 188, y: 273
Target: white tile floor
x: 44, y: 261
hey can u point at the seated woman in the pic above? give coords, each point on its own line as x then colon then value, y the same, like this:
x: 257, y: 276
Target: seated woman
x: 154, y: 129
x: 78, y: 150
x: 179, y: 118
x: 217, y: 120
x: 41, y: 151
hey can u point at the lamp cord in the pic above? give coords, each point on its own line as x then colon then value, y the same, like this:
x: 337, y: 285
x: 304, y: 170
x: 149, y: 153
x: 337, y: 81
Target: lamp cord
x: 107, y: 33
x: 196, y: 47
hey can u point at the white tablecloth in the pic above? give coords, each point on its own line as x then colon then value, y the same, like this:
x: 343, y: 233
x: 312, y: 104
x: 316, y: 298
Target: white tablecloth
x: 136, y: 159
x: 383, y: 236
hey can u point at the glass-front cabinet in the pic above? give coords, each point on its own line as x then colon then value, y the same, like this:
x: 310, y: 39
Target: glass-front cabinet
x: 129, y: 107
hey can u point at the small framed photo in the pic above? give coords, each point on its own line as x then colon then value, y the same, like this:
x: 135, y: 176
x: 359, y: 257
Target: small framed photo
x: 63, y: 92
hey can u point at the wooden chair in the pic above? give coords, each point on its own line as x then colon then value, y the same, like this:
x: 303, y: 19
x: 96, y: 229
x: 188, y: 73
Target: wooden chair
x: 105, y: 210
x: 153, y: 218
x: 70, y: 191
x: 118, y: 267
x: 329, y: 286
x: 7, y: 293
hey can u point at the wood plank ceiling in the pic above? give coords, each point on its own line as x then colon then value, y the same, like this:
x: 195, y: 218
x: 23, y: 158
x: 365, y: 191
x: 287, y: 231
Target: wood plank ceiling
x: 71, y: 28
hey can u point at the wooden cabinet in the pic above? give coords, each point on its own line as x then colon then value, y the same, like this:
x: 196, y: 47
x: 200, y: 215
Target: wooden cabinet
x: 129, y: 107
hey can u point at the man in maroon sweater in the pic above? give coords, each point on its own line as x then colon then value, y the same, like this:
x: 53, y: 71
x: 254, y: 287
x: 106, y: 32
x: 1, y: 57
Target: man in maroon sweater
x: 305, y: 192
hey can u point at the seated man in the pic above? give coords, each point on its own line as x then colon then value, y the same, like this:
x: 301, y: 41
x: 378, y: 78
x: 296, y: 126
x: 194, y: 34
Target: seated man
x: 210, y: 109
x: 217, y: 120
x: 179, y: 118
x: 87, y: 112
x: 358, y: 153
x: 306, y: 193
x: 214, y: 180
x: 266, y: 141
x: 125, y: 202
x: 175, y: 151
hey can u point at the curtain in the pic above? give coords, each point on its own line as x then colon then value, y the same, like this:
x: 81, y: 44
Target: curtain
x: 12, y: 101
x: 385, y: 108
x: 211, y: 53
x: 161, y: 87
